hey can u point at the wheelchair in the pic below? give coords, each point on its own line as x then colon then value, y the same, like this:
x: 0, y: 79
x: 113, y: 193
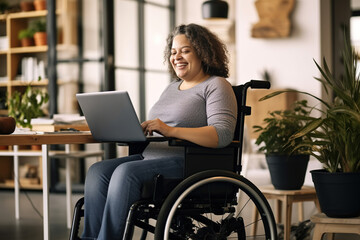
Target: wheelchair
x: 212, y: 202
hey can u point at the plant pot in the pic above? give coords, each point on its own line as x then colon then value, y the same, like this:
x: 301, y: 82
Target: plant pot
x: 4, y: 147
x: 338, y: 193
x: 287, y: 172
x: 36, y: 147
x: 27, y: 42
x: 40, y: 5
x: 26, y: 6
x: 40, y: 38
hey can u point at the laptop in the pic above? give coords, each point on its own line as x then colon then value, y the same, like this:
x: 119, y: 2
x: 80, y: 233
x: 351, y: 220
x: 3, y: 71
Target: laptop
x: 111, y: 116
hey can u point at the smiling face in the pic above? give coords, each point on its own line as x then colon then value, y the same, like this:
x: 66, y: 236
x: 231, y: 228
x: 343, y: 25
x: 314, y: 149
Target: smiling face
x: 185, y: 61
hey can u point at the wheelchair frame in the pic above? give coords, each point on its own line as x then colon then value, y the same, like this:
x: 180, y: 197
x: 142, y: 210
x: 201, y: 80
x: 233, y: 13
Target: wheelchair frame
x: 201, y: 168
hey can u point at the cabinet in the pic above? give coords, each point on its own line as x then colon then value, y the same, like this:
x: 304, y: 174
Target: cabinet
x: 11, y: 55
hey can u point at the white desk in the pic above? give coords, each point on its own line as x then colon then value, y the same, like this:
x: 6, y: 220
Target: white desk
x: 44, y: 140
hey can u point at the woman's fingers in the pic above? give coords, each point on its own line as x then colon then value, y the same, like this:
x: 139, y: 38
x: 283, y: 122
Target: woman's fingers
x: 155, y: 125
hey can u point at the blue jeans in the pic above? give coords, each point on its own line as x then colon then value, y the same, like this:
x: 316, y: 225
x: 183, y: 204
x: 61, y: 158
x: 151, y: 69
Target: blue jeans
x: 112, y: 186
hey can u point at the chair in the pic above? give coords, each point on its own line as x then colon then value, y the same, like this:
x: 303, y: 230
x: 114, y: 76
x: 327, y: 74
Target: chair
x: 206, y: 204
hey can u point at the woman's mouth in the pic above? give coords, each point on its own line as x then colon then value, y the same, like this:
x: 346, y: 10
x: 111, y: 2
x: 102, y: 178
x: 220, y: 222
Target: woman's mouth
x: 180, y: 65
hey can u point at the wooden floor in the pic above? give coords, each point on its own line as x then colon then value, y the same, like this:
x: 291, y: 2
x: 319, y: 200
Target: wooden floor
x: 29, y: 226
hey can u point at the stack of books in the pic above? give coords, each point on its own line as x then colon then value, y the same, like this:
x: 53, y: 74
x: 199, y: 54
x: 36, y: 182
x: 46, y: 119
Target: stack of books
x: 60, y: 122
x: 32, y: 69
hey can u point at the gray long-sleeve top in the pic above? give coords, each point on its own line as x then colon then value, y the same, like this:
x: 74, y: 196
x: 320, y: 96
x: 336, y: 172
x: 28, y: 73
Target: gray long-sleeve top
x: 210, y: 103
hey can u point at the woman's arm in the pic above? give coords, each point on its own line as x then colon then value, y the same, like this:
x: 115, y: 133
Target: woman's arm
x: 203, y: 136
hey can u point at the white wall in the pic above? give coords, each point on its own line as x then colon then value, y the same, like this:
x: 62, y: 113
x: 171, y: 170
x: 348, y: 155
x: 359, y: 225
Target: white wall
x: 288, y: 60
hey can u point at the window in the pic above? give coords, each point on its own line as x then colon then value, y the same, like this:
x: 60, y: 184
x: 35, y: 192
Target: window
x: 141, y: 29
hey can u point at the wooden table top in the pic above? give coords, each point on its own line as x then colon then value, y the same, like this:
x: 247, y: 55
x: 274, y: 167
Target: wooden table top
x: 47, y: 138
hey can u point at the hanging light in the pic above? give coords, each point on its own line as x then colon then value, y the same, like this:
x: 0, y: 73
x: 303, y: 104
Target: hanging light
x: 215, y: 9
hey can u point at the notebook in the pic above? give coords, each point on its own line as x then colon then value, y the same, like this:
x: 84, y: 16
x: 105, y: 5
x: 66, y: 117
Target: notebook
x: 111, y: 116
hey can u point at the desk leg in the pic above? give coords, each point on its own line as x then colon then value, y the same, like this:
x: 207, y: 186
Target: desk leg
x: 45, y: 179
x: 68, y: 188
x: 16, y: 182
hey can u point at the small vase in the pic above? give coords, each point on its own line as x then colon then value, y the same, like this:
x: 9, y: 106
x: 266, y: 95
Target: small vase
x: 7, y: 125
x: 36, y: 147
x: 40, y: 5
x: 40, y: 38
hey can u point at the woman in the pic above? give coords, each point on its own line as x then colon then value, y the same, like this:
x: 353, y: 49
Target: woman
x: 200, y: 107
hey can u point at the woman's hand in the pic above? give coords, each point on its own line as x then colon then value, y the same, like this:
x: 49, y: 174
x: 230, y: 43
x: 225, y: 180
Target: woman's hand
x: 156, y: 125
x: 204, y: 136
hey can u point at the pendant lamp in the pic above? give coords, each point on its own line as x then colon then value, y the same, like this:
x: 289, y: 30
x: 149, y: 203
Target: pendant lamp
x: 215, y: 9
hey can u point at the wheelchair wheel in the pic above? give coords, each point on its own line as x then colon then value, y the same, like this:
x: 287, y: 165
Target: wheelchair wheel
x: 215, y: 205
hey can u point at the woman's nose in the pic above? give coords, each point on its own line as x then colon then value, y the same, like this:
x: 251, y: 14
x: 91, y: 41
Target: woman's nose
x: 178, y: 56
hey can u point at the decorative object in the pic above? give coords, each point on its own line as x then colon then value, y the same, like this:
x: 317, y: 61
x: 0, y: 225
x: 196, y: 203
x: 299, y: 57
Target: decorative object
x: 7, y: 125
x: 215, y: 9
x: 287, y: 161
x: 26, y: 6
x: 26, y: 36
x: 27, y: 105
x: 39, y: 28
x: 335, y: 137
x: 274, y: 18
x: 40, y: 5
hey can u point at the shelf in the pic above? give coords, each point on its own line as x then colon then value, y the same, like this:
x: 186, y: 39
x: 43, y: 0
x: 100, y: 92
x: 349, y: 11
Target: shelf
x: 21, y: 153
x: 3, y: 52
x: 34, y: 49
x: 3, y: 112
x: 29, y: 14
x: 19, y: 83
x: 3, y: 84
x: 23, y: 186
x: 2, y: 16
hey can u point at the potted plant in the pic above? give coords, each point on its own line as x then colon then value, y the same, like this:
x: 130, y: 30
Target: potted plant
x: 39, y: 28
x: 335, y: 138
x: 26, y: 37
x: 26, y: 6
x: 27, y: 105
x: 40, y: 5
x: 287, y: 163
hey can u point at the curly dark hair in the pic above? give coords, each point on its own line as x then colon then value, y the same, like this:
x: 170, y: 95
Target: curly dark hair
x: 210, y: 49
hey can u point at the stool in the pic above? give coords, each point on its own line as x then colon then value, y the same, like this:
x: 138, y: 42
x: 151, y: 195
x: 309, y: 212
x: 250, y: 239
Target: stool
x: 324, y: 224
x: 286, y: 197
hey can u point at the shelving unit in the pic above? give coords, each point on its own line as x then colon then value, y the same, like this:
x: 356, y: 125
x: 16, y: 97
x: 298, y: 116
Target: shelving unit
x: 11, y: 154
x: 10, y: 61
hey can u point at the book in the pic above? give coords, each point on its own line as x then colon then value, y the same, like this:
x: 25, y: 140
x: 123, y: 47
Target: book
x: 59, y: 127
x: 60, y: 122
